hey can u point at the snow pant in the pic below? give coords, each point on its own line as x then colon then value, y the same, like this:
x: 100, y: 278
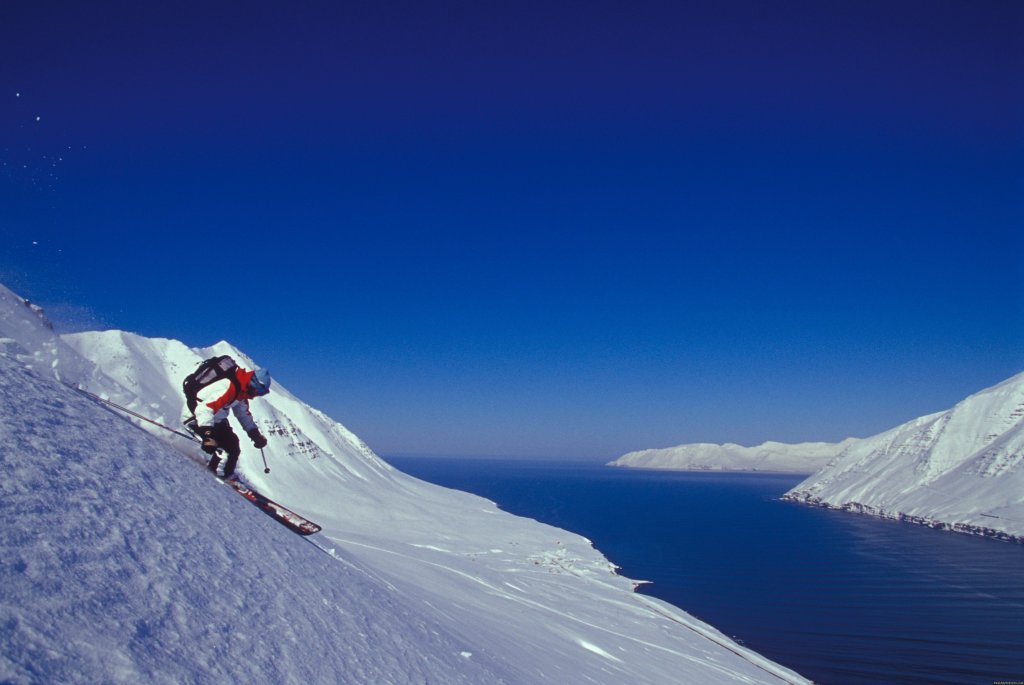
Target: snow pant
x: 227, y: 441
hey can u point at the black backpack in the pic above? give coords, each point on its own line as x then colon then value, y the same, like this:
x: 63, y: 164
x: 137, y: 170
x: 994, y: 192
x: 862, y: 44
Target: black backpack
x: 207, y: 373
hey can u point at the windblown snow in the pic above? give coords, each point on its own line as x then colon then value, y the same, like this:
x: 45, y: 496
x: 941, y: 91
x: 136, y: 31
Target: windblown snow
x: 776, y: 457
x: 124, y: 561
x: 960, y: 469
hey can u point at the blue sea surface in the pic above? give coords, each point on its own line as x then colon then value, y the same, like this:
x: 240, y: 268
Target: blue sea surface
x: 843, y: 599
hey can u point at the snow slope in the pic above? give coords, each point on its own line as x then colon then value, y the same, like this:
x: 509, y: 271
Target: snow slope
x: 806, y: 457
x: 123, y: 561
x: 961, y: 469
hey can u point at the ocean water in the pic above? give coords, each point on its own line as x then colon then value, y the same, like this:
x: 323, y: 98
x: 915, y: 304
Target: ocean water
x: 843, y: 599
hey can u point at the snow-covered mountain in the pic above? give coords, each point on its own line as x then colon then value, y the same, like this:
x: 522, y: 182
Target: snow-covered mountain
x: 122, y: 561
x: 779, y: 457
x: 961, y: 469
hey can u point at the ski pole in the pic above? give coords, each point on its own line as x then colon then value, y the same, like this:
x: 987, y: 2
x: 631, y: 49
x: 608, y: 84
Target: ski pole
x: 129, y: 411
x: 266, y: 469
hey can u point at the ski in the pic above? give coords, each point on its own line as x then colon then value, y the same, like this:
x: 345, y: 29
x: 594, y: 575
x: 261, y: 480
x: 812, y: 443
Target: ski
x: 293, y: 521
x: 283, y: 515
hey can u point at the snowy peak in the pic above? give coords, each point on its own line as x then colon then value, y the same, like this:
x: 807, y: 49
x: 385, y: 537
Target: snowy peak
x: 961, y: 469
x: 770, y: 456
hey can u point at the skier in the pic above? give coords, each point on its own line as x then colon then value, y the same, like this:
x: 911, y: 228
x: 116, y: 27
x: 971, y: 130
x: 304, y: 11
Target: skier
x: 231, y: 388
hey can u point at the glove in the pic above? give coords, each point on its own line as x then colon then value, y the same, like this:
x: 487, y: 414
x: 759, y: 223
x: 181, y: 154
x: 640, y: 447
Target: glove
x: 209, y: 444
x: 258, y: 441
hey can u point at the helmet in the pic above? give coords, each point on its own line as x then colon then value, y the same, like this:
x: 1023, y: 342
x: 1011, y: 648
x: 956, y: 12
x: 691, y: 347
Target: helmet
x: 259, y: 384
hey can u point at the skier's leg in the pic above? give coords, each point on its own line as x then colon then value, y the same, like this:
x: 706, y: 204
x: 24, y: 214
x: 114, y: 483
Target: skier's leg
x: 228, y: 441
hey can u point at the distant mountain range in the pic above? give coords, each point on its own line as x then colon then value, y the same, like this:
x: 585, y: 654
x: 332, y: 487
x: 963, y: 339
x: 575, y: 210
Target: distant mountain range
x: 779, y: 457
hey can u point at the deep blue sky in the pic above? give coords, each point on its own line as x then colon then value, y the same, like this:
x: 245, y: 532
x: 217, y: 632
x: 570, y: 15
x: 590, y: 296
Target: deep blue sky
x: 564, y: 229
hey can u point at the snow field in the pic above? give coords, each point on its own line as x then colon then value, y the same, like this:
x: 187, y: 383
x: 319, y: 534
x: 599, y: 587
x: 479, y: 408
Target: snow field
x: 127, y: 564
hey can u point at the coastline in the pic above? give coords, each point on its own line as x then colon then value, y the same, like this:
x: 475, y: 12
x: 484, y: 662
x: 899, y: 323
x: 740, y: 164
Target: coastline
x: 878, y: 512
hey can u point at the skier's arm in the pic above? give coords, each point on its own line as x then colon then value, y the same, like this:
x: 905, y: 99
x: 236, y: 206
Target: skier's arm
x: 244, y: 415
